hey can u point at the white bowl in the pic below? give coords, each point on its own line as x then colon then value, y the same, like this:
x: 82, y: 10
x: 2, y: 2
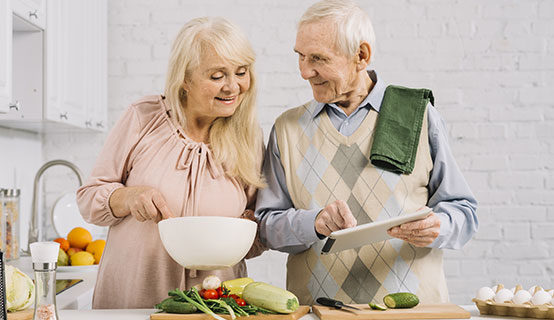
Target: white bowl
x: 207, y: 242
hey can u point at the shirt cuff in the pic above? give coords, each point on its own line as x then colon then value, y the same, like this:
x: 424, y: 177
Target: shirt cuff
x: 446, y: 226
x: 307, y: 223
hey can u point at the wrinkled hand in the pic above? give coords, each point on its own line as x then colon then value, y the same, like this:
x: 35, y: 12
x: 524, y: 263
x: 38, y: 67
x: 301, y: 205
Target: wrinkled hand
x: 420, y: 233
x: 257, y: 247
x: 147, y: 203
x: 335, y: 216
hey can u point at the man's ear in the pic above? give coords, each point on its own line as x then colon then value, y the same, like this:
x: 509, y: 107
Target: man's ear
x: 364, y: 56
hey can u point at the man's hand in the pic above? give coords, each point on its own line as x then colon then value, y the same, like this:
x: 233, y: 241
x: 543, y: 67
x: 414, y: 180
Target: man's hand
x: 420, y: 233
x: 142, y: 202
x: 335, y: 216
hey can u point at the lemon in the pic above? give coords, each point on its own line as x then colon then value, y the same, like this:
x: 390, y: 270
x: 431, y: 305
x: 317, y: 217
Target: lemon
x: 82, y: 258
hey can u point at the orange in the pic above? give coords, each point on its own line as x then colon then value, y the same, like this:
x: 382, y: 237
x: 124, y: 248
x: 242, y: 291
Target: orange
x: 96, y: 248
x: 82, y: 258
x: 79, y: 238
x: 64, y: 244
x: 71, y: 251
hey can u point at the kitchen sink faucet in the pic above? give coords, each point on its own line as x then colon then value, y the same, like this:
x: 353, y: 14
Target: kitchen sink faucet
x: 34, y: 229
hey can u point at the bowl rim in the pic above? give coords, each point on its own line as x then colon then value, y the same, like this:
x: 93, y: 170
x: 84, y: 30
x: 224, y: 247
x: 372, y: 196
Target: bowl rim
x: 209, y: 217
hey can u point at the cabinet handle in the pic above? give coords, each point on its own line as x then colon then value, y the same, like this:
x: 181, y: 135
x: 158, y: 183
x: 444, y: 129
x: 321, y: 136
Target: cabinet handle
x: 33, y: 14
x: 63, y: 115
x: 100, y: 124
x: 88, y: 123
x: 15, y: 105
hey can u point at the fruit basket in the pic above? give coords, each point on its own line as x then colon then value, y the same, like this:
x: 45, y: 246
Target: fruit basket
x: 514, y: 305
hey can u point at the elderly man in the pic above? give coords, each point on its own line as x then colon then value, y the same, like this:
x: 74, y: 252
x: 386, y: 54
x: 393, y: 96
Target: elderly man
x: 362, y: 151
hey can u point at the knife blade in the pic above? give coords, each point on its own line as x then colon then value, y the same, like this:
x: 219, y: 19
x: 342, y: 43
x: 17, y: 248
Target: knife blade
x: 333, y: 303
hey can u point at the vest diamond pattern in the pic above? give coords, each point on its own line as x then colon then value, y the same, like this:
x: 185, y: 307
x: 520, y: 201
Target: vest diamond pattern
x: 321, y: 166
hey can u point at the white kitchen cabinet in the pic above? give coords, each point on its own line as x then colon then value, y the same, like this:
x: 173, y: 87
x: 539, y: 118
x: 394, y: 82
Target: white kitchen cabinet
x: 32, y: 11
x: 73, y: 75
x: 5, y: 56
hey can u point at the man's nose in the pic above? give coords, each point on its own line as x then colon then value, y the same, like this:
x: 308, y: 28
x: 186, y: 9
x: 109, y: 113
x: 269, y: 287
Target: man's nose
x: 306, y: 71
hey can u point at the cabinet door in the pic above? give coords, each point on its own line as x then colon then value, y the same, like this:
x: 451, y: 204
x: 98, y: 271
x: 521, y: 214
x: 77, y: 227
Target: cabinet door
x: 5, y: 55
x: 97, y: 66
x: 67, y: 61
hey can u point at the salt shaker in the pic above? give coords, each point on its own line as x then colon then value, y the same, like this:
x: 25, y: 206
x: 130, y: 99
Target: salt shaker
x: 45, y: 262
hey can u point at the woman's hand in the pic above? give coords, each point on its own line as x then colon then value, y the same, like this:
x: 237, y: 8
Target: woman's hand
x: 142, y: 202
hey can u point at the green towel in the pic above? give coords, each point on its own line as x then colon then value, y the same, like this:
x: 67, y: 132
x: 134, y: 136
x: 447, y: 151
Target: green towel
x: 398, y: 127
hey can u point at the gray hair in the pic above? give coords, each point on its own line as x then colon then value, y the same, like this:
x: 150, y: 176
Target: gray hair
x: 353, y: 24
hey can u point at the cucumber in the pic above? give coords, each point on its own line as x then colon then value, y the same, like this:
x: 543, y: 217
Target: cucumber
x: 264, y: 295
x: 401, y: 300
x: 171, y: 306
x: 376, y: 306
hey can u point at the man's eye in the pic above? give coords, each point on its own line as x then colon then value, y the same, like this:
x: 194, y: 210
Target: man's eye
x: 241, y: 74
x: 316, y: 58
x: 217, y: 77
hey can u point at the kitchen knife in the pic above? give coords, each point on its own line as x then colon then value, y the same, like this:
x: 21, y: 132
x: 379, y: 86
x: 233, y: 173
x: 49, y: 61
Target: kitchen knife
x: 333, y: 303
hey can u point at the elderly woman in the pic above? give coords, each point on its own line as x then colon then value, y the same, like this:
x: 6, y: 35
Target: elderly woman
x: 196, y: 150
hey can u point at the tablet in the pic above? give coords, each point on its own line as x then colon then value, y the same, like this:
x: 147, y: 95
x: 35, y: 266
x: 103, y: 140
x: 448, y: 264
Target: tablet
x: 368, y: 233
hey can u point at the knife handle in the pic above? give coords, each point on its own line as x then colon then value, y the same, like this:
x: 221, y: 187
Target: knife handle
x: 329, y: 302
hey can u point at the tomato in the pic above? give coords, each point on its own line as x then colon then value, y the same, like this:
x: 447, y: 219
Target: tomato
x: 210, y: 294
x: 222, y: 292
x: 241, y: 302
x: 234, y: 296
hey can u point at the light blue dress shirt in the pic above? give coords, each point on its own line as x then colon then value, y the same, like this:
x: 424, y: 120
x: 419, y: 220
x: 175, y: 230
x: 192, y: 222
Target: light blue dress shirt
x: 291, y: 230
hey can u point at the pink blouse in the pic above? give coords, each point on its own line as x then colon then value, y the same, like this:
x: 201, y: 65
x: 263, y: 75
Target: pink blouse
x: 146, y: 148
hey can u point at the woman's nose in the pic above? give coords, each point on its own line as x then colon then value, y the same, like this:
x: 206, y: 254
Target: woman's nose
x: 231, y: 85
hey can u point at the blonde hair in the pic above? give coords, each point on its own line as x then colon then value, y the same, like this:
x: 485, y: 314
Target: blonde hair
x: 353, y: 25
x: 236, y: 141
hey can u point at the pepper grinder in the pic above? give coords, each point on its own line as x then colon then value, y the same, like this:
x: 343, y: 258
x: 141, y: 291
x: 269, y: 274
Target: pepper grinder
x: 45, y: 262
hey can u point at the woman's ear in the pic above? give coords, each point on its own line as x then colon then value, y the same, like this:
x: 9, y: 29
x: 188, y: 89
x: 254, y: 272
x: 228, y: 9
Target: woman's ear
x: 364, y: 56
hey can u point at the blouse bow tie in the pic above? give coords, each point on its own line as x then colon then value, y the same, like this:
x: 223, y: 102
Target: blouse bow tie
x: 196, y: 156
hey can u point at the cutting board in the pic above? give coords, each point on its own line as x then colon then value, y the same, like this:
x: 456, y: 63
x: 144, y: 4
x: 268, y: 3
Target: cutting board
x: 21, y: 315
x: 302, y: 310
x: 422, y: 311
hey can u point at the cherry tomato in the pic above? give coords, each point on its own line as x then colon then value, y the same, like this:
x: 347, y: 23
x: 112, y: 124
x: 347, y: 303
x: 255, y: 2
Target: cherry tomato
x: 210, y: 294
x: 241, y: 302
x: 222, y: 292
x: 234, y: 296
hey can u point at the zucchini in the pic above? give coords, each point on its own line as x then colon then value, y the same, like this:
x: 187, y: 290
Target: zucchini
x: 236, y: 286
x: 171, y: 306
x: 264, y: 295
x: 401, y: 300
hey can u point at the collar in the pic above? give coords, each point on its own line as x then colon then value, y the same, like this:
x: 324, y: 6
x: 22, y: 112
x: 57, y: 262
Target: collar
x: 372, y: 100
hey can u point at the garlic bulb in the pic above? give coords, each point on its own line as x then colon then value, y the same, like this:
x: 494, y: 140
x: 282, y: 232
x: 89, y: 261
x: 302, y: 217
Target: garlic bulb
x: 503, y: 295
x: 485, y: 293
x: 521, y: 297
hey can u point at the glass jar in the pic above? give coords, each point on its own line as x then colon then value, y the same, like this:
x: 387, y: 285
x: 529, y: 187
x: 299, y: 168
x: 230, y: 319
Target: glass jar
x: 10, y: 214
x: 2, y: 222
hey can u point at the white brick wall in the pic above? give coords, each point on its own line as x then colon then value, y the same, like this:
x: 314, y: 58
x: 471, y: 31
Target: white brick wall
x: 490, y: 65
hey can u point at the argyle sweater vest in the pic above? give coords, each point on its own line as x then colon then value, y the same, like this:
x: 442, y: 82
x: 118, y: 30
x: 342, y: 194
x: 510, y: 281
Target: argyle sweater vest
x: 321, y: 165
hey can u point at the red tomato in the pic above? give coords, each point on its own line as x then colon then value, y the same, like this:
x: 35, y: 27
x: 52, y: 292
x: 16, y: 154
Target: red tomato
x: 210, y: 294
x: 221, y: 292
x: 234, y: 296
x: 241, y: 302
